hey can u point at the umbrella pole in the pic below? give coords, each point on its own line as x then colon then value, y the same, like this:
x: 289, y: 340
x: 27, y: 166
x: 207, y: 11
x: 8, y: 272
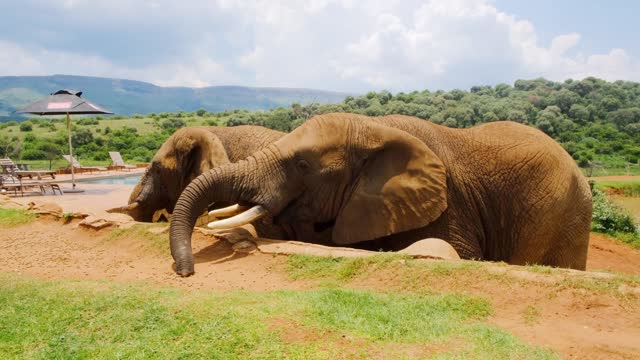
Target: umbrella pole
x: 73, y: 179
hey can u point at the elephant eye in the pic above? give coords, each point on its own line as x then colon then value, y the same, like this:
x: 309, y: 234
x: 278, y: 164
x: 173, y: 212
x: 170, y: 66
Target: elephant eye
x: 303, y: 166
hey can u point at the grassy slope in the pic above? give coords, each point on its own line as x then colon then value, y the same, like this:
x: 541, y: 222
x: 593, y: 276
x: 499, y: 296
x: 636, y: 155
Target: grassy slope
x: 64, y: 319
x: 411, y: 317
x: 14, y: 217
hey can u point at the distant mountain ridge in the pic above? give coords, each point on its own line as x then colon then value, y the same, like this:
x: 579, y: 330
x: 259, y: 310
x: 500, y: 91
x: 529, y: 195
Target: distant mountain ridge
x: 128, y: 97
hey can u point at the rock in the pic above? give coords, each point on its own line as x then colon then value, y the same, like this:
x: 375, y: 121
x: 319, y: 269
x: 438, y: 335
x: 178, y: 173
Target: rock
x: 45, y: 208
x: 244, y: 246
x: 269, y: 246
x: 235, y: 235
x: 431, y: 248
x: 106, y: 219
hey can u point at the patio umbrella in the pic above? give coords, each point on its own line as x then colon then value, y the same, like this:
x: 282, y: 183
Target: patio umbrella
x: 64, y: 102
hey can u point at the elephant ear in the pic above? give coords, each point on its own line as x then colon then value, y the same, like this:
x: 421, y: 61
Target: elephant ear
x: 401, y: 186
x: 191, y: 152
x: 205, y: 152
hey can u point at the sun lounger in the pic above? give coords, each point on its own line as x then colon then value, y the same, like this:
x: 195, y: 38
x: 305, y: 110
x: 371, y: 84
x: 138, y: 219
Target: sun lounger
x: 9, y: 167
x: 77, y: 166
x: 117, y: 162
x: 9, y: 183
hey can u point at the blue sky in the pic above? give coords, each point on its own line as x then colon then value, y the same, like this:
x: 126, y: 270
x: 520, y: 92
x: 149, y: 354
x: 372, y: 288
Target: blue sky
x: 343, y: 45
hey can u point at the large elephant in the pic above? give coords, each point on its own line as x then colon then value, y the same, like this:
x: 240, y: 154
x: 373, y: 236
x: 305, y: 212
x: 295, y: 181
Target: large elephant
x: 186, y: 154
x: 500, y: 191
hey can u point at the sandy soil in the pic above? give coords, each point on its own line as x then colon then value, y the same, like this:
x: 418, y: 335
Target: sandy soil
x: 49, y: 250
x: 576, y: 323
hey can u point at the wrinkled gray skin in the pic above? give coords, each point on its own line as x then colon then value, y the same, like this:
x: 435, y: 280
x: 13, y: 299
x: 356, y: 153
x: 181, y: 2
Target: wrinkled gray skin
x: 500, y: 191
x: 186, y: 154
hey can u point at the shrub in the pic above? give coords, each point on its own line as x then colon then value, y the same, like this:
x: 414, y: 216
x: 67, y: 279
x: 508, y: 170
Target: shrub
x: 608, y: 217
x: 26, y: 126
x: 88, y: 121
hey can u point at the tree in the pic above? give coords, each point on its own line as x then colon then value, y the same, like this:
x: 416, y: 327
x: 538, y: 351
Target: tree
x: 564, y: 99
x: 580, y: 114
x: 503, y: 90
x: 81, y: 137
x: 609, y: 103
x: 10, y: 147
x: 624, y: 117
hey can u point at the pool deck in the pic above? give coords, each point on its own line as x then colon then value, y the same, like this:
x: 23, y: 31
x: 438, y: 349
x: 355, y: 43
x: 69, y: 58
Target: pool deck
x: 97, y: 175
x: 94, y: 199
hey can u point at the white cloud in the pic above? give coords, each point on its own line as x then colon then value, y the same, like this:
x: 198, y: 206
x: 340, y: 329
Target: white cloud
x: 332, y: 44
x: 447, y: 36
x: 196, y: 72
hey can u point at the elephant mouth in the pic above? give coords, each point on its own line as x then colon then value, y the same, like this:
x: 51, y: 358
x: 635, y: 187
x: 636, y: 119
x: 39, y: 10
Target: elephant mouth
x: 244, y: 213
x: 242, y: 217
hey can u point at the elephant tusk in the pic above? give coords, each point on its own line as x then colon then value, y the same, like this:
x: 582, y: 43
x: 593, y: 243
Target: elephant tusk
x: 227, y: 211
x: 157, y: 215
x: 124, y: 209
x: 255, y: 213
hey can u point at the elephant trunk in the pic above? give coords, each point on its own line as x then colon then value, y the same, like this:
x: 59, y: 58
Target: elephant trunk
x: 218, y: 185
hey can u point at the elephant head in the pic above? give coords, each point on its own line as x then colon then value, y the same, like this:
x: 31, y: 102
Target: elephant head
x: 188, y: 153
x: 364, y: 179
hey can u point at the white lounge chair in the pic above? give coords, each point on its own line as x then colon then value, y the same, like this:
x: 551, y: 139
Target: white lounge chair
x: 77, y: 166
x: 9, y: 167
x: 117, y: 162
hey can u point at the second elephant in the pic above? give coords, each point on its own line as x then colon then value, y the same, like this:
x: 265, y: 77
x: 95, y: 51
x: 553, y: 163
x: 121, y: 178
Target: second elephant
x: 186, y: 154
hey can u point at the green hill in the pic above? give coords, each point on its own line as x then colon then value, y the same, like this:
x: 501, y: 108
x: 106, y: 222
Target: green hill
x: 128, y: 97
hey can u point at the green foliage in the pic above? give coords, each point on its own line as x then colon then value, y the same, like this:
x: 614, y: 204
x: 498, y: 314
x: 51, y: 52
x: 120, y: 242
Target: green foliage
x: 14, y: 217
x: 596, y: 121
x: 610, y: 218
x: 26, y: 126
x: 88, y: 121
x: 173, y: 124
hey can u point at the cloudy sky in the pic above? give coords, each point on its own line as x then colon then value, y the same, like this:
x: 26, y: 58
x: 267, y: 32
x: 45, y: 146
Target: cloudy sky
x: 344, y: 45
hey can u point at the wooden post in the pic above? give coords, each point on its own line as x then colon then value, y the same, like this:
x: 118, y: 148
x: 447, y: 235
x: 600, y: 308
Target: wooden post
x: 73, y: 179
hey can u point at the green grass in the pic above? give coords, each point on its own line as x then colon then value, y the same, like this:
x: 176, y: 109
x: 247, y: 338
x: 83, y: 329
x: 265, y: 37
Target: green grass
x: 627, y: 187
x: 308, y: 266
x: 415, y: 276
x: 14, y: 217
x: 101, y: 320
x: 631, y: 239
x: 156, y: 242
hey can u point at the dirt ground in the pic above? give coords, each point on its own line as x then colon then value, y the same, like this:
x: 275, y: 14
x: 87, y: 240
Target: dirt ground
x: 616, y: 178
x: 577, y: 324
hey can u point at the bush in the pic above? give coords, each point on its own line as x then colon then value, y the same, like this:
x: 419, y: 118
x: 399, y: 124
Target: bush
x: 173, y: 124
x: 88, y: 121
x: 608, y: 217
x: 26, y: 126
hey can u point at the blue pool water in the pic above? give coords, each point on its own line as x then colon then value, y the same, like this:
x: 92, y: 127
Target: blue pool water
x: 121, y: 180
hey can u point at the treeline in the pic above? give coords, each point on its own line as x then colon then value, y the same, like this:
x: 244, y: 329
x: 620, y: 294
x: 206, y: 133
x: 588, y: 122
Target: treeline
x: 593, y: 119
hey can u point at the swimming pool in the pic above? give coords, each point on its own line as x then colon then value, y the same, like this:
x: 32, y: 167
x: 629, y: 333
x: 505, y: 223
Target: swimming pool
x: 120, y: 180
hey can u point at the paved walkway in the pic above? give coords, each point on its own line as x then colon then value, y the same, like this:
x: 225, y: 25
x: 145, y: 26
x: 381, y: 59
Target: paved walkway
x: 95, y: 198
